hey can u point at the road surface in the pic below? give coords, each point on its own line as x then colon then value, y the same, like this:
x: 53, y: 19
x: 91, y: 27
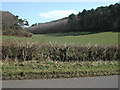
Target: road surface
x: 83, y: 82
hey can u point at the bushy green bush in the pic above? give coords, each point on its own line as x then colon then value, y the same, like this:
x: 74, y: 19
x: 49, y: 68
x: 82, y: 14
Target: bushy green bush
x: 41, y: 51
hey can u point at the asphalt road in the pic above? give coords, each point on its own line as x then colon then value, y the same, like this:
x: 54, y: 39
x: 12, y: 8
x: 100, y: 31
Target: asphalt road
x: 83, y: 82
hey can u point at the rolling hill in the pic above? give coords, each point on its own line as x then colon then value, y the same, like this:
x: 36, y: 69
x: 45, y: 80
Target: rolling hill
x: 12, y: 25
x: 56, y: 26
x: 101, y: 19
x: 8, y: 19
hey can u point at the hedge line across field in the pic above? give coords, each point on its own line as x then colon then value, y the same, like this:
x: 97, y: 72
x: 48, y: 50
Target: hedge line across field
x: 42, y: 51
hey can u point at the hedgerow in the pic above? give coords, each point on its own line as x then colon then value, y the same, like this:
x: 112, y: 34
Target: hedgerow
x: 42, y: 51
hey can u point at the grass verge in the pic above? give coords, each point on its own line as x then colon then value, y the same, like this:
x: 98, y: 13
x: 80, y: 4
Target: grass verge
x: 14, y: 70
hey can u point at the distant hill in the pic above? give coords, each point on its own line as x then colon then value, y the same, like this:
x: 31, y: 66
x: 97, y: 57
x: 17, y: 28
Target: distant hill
x: 50, y: 27
x: 99, y: 20
x: 11, y: 25
x: 8, y: 19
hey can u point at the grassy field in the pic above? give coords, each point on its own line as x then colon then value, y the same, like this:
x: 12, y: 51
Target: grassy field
x: 13, y: 69
x: 52, y: 69
x: 71, y: 38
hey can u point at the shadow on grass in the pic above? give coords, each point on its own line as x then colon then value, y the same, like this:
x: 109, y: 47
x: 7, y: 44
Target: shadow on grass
x: 72, y: 33
x: 75, y: 33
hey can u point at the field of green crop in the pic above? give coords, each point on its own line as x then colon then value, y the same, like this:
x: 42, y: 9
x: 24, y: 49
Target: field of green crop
x: 70, y: 38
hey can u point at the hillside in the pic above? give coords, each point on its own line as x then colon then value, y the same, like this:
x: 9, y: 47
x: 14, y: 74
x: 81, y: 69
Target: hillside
x: 12, y: 25
x: 57, y: 26
x: 99, y: 20
x: 8, y: 19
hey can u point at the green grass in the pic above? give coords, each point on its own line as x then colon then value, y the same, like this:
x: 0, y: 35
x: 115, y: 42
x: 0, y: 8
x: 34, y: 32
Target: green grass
x: 70, y: 38
x: 54, y: 69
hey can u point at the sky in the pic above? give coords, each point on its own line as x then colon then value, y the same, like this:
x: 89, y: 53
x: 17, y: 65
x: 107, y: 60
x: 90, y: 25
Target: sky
x: 40, y: 12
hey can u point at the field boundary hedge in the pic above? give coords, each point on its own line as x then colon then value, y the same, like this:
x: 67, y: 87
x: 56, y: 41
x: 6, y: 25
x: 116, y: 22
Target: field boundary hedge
x: 42, y: 51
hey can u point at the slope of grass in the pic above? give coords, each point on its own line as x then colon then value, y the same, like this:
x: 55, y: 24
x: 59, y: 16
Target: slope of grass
x: 74, y: 38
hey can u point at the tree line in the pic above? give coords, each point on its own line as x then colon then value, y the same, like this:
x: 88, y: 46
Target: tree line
x: 99, y: 20
x: 13, y: 25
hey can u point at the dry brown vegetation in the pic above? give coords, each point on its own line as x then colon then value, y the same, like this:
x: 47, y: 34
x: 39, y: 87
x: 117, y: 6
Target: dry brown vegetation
x: 10, y: 25
x: 8, y: 18
x: 42, y: 51
x: 50, y: 27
